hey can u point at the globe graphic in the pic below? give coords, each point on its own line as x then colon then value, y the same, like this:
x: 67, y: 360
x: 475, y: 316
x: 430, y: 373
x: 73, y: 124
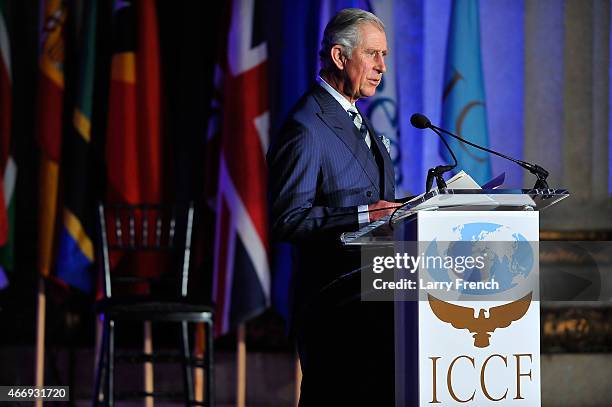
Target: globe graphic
x: 507, y: 256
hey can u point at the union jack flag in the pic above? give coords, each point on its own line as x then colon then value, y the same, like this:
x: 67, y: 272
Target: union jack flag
x: 241, y: 281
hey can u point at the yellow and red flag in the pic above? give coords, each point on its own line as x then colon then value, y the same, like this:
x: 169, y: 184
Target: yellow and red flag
x: 133, y: 141
x: 49, y: 123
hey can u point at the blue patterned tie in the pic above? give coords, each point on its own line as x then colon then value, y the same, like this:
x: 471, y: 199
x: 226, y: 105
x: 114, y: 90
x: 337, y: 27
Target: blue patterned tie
x: 358, y: 122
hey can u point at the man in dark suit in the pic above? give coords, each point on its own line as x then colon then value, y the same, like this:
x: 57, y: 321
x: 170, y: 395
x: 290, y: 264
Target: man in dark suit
x: 330, y: 173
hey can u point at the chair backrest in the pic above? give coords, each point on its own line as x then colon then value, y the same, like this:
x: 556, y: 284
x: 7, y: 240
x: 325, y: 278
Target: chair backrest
x: 150, y: 244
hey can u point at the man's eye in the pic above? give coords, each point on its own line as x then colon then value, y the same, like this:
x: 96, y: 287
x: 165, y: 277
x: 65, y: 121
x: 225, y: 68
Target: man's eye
x: 373, y: 54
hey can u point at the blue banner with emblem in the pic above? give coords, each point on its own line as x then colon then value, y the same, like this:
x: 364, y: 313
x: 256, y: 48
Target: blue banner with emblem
x: 463, y: 98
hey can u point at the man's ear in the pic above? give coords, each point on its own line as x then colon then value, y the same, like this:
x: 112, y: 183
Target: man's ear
x: 337, y: 57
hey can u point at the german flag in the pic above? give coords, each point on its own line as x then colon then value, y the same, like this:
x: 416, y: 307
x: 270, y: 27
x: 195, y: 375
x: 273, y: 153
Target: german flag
x: 75, y: 254
x: 49, y: 123
x: 133, y: 140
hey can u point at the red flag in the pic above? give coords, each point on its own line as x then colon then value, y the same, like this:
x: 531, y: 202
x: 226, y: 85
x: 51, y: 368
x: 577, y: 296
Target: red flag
x: 49, y: 123
x: 133, y: 149
x: 241, y: 273
x: 133, y: 140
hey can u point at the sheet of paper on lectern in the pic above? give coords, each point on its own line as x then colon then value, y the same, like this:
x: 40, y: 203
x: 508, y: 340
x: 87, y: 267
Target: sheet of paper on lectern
x: 461, y: 180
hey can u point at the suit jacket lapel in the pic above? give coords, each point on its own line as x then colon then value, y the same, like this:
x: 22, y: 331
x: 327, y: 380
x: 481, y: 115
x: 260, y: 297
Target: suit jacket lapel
x: 340, y: 123
x: 387, y: 163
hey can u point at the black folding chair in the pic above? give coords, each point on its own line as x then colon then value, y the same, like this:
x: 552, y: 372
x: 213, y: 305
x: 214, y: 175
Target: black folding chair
x: 154, y: 291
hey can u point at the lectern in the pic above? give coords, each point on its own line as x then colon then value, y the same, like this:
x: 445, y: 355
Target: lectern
x: 463, y: 269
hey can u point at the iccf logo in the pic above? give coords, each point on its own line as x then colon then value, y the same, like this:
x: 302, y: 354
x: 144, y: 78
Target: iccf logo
x: 482, y: 327
x: 495, y: 385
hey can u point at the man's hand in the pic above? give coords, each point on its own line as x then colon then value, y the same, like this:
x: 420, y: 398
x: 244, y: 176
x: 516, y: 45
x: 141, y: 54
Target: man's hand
x: 381, y: 208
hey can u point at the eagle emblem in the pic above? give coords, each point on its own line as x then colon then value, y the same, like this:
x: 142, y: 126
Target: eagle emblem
x: 463, y: 317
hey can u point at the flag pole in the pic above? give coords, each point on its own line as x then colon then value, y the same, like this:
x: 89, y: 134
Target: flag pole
x: 148, y: 365
x: 49, y: 130
x: 241, y: 367
x: 97, y: 351
x: 40, y: 336
x: 298, y: 379
x: 198, y: 352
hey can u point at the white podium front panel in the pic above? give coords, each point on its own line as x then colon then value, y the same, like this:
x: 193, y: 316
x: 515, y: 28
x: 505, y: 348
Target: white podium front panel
x: 480, y: 346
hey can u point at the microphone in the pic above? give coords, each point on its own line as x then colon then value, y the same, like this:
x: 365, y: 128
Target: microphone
x: 420, y: 121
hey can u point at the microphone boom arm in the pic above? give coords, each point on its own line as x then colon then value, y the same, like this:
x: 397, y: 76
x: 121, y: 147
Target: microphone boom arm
x: 535, y: 169
x: 439, y: 170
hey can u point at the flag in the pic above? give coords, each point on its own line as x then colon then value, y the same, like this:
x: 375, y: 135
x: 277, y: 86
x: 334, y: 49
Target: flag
x: 329, y: 8
x: 8, y: 168
x: 241, y: 280
x: 133, y: 139
x: 463, y: 99
x: 49, y: 123
x: 75, y: 246
x: 409, y: 55
x: 382, y: 108
x: 298, y: 45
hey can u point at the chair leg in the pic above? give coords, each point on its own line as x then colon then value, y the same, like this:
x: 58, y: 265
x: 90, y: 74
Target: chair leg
x: 110, y: 370
x: 208, y: 362
x: 100, y: 367
x: 187, y: 371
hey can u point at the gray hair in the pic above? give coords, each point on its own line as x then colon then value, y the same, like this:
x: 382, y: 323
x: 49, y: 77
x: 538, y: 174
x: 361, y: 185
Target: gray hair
x: 343, y: 29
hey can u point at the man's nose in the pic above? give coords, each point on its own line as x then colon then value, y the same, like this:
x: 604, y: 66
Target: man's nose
x: 380, y: 66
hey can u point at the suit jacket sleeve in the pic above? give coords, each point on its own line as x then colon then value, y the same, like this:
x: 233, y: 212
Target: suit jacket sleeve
x: 298, y: 213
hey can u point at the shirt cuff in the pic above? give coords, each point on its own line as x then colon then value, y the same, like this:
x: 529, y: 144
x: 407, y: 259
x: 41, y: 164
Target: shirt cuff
x: 363, y: 215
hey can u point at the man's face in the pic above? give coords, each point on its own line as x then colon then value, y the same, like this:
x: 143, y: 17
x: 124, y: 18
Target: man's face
x: 364, y: 69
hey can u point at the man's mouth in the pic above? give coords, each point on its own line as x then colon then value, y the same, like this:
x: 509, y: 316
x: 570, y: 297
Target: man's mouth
x: 374, y: 82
